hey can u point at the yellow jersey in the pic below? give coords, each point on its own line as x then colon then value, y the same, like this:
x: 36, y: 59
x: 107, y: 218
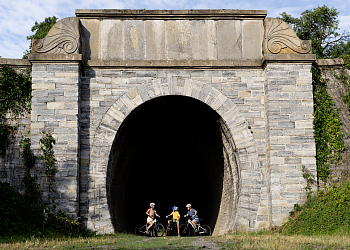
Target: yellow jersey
x: 176, y: 216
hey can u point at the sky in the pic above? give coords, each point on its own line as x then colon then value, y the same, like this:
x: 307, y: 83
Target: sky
x: 18, y: 16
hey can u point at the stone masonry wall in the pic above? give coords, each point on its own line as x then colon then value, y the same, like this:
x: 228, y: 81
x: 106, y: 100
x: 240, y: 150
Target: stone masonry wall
x: 11, y: 166
x: 55, y: 109
x: 290, y: 141
x: 336, y: 89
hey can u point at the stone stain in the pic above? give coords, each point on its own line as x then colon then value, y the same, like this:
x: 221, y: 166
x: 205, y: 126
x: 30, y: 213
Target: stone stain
x: 134, y: 39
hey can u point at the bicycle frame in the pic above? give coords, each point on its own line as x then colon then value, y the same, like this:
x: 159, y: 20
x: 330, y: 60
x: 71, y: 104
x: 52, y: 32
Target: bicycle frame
x: 202, y: 230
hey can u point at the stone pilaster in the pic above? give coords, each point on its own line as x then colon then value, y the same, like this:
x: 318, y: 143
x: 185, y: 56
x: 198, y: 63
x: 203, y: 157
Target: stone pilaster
x: 55, y: 109
x: 290, y: 139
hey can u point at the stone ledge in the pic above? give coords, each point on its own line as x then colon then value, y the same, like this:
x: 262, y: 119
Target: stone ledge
x: 288, y: 58
x: 330, y: 62
x: 200, y: 64
x: 15, y: 62
x: 170, y: 14
x: 38, y: 57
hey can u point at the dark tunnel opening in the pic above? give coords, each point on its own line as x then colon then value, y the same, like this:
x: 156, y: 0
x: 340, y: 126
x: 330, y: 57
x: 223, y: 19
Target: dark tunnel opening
x: 169, y: 151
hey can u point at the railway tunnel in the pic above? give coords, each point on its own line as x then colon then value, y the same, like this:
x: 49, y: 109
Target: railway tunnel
x: 171, y: 150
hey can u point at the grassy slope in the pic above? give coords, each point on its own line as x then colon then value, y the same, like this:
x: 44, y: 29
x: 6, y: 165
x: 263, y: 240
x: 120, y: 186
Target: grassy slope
x: 325, y: 213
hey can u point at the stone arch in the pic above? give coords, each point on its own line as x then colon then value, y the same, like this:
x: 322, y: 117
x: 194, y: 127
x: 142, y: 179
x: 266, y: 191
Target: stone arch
x: 240, y: 148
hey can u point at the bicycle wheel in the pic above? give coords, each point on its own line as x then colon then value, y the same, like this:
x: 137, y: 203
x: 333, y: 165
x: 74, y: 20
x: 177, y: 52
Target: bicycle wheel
x: 185, y: 230
x: 140, y: 229
x: 168, y: 230
x: 158, y: 230
x: 205, y: 230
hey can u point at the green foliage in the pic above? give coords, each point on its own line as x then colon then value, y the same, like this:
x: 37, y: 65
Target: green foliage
x: 23, y: 214
x: 321, y: 26
x: 15, y: 97
x: 47, y: 143
x: 41, y: 30
x: 15, y: 91
x: 18, y: 215
x: 28, y: 156
x: 310, y: 180
x: 344, y: 78
x: 5, y: 131
x: 327, y: 212
x: 327, y: 127
x: 65, y: 225
x: 342, y: 49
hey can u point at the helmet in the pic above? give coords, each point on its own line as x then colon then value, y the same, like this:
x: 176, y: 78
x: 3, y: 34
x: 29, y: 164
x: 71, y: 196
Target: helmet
x: 176, y: 208
x: 188, y: 205
x: 173, y: 207
x: 152, y: 204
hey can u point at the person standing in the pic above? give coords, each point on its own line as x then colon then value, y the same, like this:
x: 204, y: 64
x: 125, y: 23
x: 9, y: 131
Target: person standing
x: 176, y: 218
x: 151, y: 213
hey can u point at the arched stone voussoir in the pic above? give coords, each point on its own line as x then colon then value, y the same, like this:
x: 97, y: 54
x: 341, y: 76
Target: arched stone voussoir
x: 236, y: 127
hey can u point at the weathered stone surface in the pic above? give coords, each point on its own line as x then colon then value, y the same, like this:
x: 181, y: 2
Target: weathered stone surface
x: 112, y: 40
x: 90, y: 38
x: 155, y: 40
x: 252, y: 39
x: 229, y: 40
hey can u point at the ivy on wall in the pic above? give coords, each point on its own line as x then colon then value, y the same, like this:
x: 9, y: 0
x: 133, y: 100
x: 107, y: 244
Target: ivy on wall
x: 47, y: 142
x: 327, y: 127
x: 344, y: 77
x: 15, y: 99
x: 15, y: 91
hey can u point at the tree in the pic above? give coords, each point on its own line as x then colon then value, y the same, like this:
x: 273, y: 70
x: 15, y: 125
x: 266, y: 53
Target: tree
x: 41, y: 30
x: 321, y: 26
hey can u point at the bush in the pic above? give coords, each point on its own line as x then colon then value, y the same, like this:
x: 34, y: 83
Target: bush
x: 17, y: 215
x: 23, y: 214
x: 326, y: 212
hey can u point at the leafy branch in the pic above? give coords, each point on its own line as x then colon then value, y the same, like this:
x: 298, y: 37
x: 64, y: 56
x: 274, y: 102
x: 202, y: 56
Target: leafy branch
x: 46, y: 148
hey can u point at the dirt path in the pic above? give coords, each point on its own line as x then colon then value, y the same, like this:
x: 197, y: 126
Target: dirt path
x: 200, y: 242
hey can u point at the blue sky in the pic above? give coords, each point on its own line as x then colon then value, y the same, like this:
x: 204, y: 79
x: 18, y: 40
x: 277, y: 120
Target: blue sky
x: 18, y: 16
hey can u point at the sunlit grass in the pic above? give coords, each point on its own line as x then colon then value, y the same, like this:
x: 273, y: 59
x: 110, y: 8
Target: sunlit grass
x: 278, y: 241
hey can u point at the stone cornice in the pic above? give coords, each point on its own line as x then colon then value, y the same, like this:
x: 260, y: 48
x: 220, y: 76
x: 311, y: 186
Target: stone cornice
x: 289, y: 58
x: 176, y: 64
x: 54, y: 58
x: 330, y: 62
x: 170, y: 14
x: 15, y: 62
x: 202, y: 64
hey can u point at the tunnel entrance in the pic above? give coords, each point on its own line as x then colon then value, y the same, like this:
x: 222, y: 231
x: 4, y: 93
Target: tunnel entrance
x: 170, y: 151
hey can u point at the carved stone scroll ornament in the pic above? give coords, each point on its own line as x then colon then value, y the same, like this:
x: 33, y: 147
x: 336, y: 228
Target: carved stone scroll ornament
x: 280, y: 38
x: 63, y: 38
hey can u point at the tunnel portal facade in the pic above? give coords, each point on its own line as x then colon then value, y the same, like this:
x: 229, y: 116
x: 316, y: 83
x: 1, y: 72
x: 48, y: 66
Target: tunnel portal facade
x: 215, y: 105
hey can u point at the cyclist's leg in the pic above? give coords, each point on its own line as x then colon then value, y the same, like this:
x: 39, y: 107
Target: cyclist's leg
x: 194, y: 224
x: 150, y: 224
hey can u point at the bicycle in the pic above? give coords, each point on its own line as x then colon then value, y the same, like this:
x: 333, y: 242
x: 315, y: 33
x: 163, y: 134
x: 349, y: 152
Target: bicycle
x: 157, y: 229
x: 171, y: 229
x: 188, y: 228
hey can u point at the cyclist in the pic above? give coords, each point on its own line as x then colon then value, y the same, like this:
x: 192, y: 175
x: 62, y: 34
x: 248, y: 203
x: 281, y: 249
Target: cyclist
x: 193, y: 214
x: 176, y: 218
x: 151, y: 213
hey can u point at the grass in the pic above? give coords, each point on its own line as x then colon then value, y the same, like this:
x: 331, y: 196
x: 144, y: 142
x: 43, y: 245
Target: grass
x: 115, y: 241
x: 278, y: 241
x: 228, y: 241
